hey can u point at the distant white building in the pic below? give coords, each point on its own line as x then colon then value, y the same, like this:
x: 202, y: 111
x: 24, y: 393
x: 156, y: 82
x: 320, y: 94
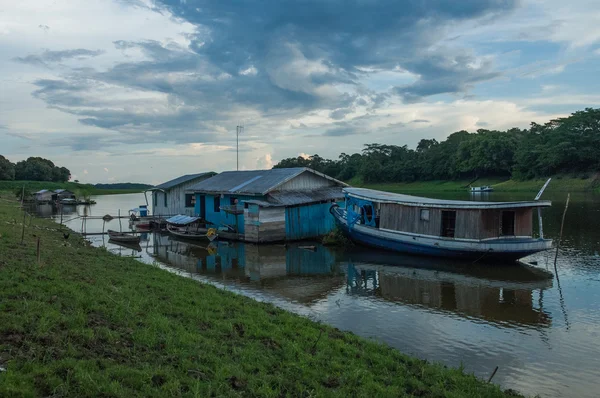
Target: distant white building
x: 170, y: 198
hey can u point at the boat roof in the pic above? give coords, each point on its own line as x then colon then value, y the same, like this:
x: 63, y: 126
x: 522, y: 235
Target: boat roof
x: 182, y: 220
x: 408, y: 200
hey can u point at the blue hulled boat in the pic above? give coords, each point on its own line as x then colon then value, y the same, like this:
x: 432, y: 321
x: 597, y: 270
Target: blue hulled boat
x: 446, y: 228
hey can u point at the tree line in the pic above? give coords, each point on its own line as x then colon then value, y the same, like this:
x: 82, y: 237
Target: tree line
x: 32, y: 169
x: 564, y: 145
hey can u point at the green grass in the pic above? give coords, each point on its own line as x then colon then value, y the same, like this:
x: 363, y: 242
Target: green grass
x: 34, y: 186
x: 86, y: 323
x: 558, y: 184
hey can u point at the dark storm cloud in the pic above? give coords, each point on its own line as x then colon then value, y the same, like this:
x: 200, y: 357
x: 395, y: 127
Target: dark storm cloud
x: 280, y: 58
x: 49, y: 57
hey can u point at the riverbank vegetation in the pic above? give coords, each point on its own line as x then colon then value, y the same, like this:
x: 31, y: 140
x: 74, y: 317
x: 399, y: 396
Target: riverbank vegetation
x: 84, y: 189
x: 83, y: 322
x: 559, y: 184
x: 566, y: 146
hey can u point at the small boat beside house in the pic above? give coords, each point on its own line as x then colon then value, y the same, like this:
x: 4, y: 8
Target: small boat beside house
x: 447, y: 228
x: 123, y: 237
x: 188, y: 227
x: 484, y: 188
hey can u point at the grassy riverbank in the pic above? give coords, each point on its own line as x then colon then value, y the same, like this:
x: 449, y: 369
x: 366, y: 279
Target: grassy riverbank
x: 34, y: 186
x: 558, y: 184
x: 84, y: 322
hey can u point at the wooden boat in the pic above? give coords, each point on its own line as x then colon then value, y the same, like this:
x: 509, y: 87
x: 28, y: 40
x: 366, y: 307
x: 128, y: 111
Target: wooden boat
x: 123, y: 237
x: 446, y: 228
x: 190, y: 228
x: 485, y: 188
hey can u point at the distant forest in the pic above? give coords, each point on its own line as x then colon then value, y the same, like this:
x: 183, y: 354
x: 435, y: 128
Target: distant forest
x: 565, y: 145
x: 32, y: 169
x: 123, y: 185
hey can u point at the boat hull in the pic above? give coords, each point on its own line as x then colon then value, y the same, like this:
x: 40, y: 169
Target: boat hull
x: 497, y: 250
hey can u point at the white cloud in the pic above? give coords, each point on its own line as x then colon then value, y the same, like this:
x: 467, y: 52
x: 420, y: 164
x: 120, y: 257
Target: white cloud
x: 264, y: 162
x: 85, y: 172
x: 106, y: 169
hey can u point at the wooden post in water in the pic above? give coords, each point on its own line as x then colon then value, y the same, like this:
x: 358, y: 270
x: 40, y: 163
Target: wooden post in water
x: 562, y: 224
x: 120, y: 226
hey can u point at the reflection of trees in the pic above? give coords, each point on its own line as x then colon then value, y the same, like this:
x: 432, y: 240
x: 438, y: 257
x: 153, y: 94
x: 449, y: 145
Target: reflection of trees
x: 512, y: 304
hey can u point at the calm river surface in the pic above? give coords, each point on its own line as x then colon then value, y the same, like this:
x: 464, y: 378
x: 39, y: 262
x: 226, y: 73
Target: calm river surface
x: 543, y: 333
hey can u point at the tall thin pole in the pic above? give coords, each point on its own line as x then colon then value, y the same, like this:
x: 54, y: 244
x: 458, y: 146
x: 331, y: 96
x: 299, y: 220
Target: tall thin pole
x: 238, y: 130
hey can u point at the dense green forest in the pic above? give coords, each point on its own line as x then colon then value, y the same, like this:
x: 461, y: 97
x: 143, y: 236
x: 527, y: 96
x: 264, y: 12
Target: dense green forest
x: 565, y: 145
x: 32, y: 169
x: 124, y: 185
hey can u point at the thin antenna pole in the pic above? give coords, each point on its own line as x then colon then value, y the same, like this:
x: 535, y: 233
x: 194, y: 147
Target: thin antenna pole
x: 238, y: 130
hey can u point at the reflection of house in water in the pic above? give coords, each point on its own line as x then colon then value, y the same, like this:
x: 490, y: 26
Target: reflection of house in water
x: 288, y: 271
x: 492, y: 300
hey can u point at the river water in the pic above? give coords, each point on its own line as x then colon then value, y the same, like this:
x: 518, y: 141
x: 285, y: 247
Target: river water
x: 542, y: 332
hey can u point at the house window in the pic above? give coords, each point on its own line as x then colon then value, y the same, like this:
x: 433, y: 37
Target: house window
x: 154, y: 201
x: 164, y: 193
x: 424, y: 214
x: 217, y: 203
x: 190, y: 200
x: 232, y: 201
x: 508, y: 223
x: 448, y: 223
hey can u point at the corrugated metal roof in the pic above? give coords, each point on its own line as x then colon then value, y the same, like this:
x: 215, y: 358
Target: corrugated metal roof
x: 181, y: 180
x: 252, y: 182
x: 408, y: 200
x: 182, y: 220
x: 42, y: 191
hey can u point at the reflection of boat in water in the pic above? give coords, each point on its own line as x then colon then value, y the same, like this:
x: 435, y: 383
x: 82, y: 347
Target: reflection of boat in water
x: 505, y: 297
x: 129, y: 245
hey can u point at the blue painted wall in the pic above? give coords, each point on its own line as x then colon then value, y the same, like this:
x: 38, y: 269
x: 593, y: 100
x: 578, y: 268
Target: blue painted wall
x: 220, y: 218
x: 308, y: 221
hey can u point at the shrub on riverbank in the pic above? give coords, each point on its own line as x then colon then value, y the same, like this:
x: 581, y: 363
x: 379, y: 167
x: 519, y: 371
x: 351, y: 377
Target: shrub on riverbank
x: 83, y: 322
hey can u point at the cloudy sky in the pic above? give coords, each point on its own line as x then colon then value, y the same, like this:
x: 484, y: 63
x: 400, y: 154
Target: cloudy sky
x: 142, y: 90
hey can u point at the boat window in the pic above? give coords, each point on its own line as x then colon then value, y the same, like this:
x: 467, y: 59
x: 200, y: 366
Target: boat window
x: 425, y: 214
x: 448, y: 223
x: 508, y: 223
x: 217, y: 203
x: 190, y: 200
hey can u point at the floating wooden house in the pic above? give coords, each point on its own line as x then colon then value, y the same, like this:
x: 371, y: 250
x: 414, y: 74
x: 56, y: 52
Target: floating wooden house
x: 170, y: 198
x: 269, y: 205
x: 60, y: 194
x: 43, y: 195
x: 448, y: 228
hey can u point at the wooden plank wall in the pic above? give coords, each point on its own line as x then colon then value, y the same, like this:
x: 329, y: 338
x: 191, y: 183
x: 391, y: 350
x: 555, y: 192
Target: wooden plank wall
x: 408, y: 219
x: 524, y: 222
x: 306, y: 181
x: 470, y: 224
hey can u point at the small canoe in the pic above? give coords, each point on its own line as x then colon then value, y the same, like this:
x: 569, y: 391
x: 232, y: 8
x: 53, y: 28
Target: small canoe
x: 123, y: 237
x: 199, y: 234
